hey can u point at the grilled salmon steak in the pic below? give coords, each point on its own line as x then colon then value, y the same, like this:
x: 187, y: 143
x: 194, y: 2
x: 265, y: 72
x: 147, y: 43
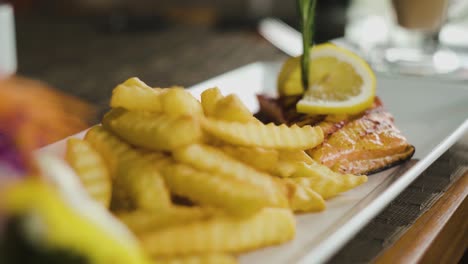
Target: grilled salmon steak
x: 359, y: 144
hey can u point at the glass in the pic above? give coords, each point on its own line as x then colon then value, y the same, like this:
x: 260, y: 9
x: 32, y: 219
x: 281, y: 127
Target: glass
x: 413, y: 46
x: 7, y: 41
x: 424, y: 15
x: 420, y: 52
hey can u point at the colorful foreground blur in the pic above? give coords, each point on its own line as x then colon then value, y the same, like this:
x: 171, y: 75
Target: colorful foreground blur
x: 32, y: 115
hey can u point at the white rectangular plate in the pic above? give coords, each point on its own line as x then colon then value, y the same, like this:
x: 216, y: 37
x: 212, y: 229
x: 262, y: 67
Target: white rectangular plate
x: 432, y: 115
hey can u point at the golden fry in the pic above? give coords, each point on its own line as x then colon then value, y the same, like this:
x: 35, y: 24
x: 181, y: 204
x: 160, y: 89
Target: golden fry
x: 109, y: 146
x: 295, y: 156
x: 138, y: 184
x: 289, y: 161
x: 259, y: 158
x: 325, y: 181
x: 210, y: 258
x: 228, y: 108
x: 134, y: 94
x: 176, y: 101
x: 91, y: 169
x: 303, y: 198
x: 268, y: 227
x: 153, y: 131
x: 141, y: 221
x: 231, y: 108
x: 136, y: 180
x: 284, y: 169
x: 255, y: 134
x: 209, y: 99
x: 211, y: 189
x: 210, y: 159
x: 113, y: 149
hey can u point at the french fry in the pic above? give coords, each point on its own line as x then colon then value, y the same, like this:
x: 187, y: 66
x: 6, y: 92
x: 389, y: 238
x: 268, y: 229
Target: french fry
x: 289, y: 161
x: 230, y: 108
x: 259, y: 158
x: 210, y: 258
x: 136, y: 180
x: 284, y: 169
x: 113, y: 149
x: 295, y: 156
x: 210, y: 159
x: 176, y: 101
x: 212, y: 189
x: 141, y: 221
x: 325, y: 181
x: 209, y: 99
x: 133, y: 94
x: 138, y: 184
x: 109, y: 146
x: 268, y: 227
x: 302, y: 198
x: 255, y: 134
x: 153, y: 131
x: 91, y: 169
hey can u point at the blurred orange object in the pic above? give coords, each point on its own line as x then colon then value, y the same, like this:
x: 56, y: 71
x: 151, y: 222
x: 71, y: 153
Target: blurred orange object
x: 32, y: 114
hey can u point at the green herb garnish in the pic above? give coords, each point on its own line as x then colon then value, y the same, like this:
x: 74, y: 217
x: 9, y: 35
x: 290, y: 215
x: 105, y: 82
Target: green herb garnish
x: 307, y: 14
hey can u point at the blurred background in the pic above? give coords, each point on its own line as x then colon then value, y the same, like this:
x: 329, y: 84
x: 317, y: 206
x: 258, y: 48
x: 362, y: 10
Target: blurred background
x: 86, y: 47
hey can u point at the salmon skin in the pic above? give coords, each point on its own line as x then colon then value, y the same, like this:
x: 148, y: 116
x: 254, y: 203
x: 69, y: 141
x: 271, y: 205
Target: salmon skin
x: 365, y: 143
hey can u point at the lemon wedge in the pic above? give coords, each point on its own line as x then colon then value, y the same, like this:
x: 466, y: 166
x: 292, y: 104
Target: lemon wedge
x: 340, y: 82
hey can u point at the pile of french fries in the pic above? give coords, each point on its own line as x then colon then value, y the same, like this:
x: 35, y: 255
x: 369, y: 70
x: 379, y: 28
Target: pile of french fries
x: 200, y: 181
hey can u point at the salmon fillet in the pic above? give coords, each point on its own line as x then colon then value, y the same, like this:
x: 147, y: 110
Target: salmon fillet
x: 359, y: 144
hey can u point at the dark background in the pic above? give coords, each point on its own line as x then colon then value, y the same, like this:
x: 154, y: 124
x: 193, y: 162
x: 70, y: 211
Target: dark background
x: 86, y: 47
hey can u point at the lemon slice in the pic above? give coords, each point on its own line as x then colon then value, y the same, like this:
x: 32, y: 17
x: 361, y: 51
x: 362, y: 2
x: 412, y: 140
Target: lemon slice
x: 340, y: 82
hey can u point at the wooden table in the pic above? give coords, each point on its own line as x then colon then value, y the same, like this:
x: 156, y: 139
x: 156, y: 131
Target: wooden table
x: 438, y: 236
x: 80, y: 60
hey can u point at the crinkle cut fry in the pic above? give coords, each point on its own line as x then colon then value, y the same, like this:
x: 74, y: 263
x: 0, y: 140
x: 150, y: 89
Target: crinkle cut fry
x: 259, y: 158
x: 109, y: 146
x: 255, y: 134
x: 134, y: 94
x: 209, y: 258
x: 141, y: 221
x: 211, y: 159
x: 211, y: 189
x: 142, y: 184
x: 90, y: 167
x: 133, y: 172
x: 325, y: 181
x: 302, y: 198
x: 151, y: 130
x: 223, y: 234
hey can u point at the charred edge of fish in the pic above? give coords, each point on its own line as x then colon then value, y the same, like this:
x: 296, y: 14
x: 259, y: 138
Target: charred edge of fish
x: 395, y: 163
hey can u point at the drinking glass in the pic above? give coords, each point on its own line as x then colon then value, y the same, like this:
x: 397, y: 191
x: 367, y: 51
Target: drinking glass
x: 413, y: 46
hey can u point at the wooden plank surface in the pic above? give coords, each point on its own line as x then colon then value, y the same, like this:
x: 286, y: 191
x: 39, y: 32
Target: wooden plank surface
x: 440, y: 235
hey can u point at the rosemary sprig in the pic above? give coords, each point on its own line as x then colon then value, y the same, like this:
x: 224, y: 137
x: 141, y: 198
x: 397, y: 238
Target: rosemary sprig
x: 307, y: 15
